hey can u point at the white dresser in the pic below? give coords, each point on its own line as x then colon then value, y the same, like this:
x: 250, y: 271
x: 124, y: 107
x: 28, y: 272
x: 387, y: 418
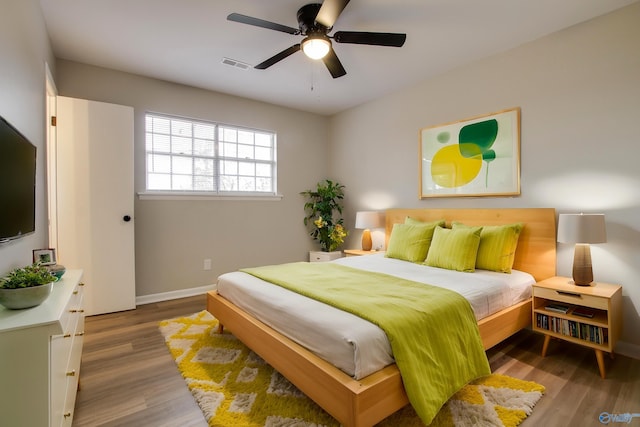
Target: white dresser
x: 40, y: 351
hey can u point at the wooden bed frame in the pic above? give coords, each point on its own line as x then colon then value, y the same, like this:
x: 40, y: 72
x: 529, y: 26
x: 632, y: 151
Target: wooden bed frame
x: 365, y: 402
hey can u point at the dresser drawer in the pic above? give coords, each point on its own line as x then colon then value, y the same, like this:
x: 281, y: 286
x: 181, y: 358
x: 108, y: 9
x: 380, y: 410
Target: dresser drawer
x: 60, y: 352
x: 66, y: 352
x: 74, y: 306
x: 319, y: 256
x: 572, y: 298
x: 69, y: 395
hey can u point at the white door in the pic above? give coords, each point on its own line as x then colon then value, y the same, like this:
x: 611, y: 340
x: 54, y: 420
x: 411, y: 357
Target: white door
x: 95, y: 195
x: 52, y: 174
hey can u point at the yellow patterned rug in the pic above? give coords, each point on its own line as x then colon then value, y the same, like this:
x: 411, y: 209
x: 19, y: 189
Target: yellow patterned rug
x: 235, y: 387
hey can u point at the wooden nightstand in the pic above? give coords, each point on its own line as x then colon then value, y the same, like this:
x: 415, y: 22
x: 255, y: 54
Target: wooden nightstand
x: 601, y: 301
x: 359, y: 252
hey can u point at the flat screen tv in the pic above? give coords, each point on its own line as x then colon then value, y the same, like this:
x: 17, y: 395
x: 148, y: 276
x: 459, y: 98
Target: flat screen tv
x: 17, y: 183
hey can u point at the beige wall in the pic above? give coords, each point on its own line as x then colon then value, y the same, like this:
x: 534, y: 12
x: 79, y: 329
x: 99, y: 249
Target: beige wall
x: 24, y: 49
x: 174, y: 237
x: 579, y: 91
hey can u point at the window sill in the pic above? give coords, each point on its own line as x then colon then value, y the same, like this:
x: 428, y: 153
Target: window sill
x: 160, y: 195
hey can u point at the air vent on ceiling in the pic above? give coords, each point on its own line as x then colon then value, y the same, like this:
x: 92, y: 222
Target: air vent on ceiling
x: 237, y: 64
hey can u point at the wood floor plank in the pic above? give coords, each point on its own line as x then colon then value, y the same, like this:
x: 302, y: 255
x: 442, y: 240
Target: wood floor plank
x: 128, y: 377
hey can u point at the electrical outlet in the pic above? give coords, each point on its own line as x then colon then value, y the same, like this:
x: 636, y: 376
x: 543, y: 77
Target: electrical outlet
x: 207, y: 264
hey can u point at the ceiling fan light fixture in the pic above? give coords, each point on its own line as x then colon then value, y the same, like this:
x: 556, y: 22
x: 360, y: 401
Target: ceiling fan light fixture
x: 315, y: 21
x: 316, y: 47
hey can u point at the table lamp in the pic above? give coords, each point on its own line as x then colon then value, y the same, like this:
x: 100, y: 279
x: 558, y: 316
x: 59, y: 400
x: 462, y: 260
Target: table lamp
x: 367, y: 220
x: 582, y: 229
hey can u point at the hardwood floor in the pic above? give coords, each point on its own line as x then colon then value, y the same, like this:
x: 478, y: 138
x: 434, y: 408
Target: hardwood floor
x: 128, y: 377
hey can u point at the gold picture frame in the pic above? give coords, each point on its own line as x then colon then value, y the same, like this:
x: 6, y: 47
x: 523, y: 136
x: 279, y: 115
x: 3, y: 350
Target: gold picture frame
x: 479, y: 156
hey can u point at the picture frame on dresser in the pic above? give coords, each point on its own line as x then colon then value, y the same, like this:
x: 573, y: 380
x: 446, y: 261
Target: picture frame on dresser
x: 44, y: 256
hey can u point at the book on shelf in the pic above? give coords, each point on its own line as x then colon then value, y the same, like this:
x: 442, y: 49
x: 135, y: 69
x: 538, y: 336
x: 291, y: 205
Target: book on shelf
x: 584, y: 312
x: 572, y: 328
x: 558, y: 308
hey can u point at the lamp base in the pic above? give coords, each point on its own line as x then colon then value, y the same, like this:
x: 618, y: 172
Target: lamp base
x: 367, y: 244
x: 582, y: 271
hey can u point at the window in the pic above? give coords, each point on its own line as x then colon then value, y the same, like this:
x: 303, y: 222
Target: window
x: 189, y: 156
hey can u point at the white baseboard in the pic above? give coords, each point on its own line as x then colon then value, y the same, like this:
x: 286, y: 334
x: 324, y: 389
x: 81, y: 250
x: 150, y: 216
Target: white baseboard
x: 627, y: 349
x: 166, y: 296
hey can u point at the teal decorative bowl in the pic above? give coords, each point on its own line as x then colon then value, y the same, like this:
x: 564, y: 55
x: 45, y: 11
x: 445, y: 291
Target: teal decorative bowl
x: 59, y: 274
x: 57, y: 270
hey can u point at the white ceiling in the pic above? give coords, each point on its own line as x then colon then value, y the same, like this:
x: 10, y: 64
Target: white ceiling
x: 185, y: 41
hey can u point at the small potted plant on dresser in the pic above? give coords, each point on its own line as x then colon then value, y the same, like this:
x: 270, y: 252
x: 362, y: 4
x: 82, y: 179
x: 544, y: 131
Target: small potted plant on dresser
x: 324, y: 219
x: 26, y: 287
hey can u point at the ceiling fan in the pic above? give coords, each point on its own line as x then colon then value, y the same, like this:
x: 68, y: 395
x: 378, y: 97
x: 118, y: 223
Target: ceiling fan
x: 315, y: 21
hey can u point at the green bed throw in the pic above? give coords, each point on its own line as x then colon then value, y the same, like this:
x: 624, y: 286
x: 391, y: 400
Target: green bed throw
x: 433, y: 331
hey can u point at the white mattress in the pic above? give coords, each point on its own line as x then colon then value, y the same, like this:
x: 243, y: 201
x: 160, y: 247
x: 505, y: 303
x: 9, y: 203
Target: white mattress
x: 354, y: 345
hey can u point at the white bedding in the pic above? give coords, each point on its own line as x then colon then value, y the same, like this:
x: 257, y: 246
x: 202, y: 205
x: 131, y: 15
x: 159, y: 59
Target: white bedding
x: 354, y: 345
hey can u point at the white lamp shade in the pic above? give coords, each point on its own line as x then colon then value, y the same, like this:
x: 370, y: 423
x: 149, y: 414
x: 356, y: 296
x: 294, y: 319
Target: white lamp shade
x: 369, y: 219
x: 581, y: 228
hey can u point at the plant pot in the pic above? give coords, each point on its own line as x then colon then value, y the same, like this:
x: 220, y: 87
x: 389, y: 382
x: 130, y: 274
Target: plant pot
x: 24, y: 297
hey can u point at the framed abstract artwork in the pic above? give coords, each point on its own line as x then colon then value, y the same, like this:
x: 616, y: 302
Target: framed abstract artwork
x: 479, y: 156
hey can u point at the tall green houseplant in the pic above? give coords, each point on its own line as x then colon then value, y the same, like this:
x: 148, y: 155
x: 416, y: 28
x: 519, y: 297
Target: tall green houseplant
x: 324, y: 214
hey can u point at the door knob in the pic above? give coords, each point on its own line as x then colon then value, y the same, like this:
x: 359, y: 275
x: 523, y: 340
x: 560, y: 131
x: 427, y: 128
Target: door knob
x: 126, y: 218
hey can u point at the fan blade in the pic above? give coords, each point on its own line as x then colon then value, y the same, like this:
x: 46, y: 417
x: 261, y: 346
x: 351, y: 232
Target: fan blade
x: 333, y: 64
x: 244, y: 19
x: 377, y: 39
x: 278, y: 57
x: 329, y: 12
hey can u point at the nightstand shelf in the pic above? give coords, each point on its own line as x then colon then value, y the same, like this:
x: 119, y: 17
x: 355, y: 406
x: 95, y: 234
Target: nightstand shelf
x: 601, y: 301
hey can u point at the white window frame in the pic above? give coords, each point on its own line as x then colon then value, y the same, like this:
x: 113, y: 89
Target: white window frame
x: 221, y: 151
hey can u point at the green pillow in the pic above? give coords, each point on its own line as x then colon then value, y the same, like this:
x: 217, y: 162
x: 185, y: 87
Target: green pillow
x: 497, y: 248
x: 413, y: 221
x: 454, y: 249
x: 410, y: 242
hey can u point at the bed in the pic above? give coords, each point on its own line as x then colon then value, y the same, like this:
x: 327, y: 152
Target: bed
x: 366, y: 401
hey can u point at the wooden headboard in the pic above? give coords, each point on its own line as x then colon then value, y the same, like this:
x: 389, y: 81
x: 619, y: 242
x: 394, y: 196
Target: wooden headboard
x: 536, y: 252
